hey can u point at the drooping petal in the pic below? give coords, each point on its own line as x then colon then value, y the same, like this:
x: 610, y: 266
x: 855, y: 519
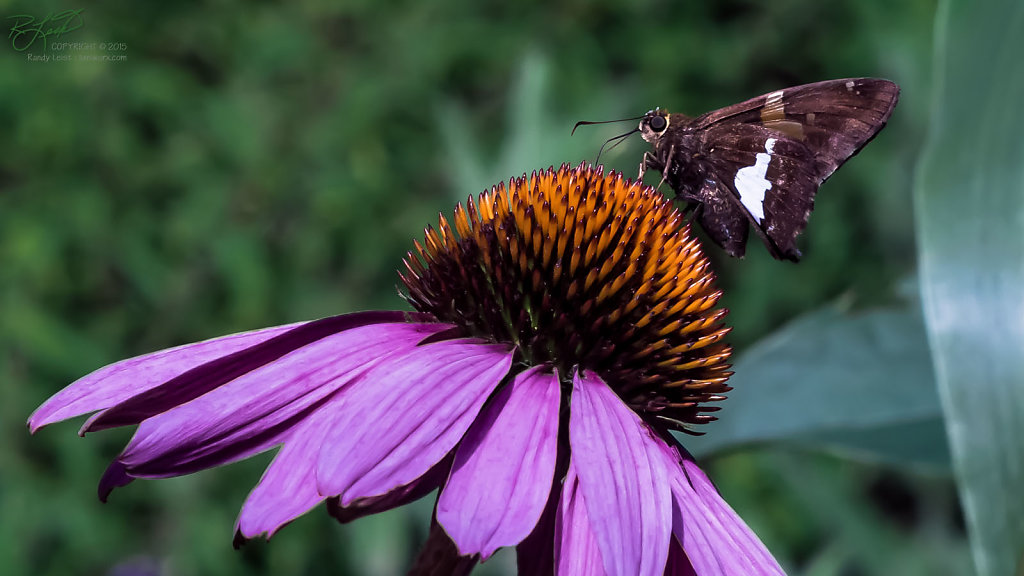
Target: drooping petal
x: 576, y: 549
x: 503, y: 468
x: 406, y: 414
x: 622, y: 478
x: 254, y: 411
x: 122, y: 380
x: 716, y: 540
x: 287, y: 489
x: 400, y: 496
x: 203, y: 378
x: 115, y: 476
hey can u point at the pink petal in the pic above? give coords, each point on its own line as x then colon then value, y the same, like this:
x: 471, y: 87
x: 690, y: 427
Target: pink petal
x: 120, y: 381
x: 115, y: 476
x: 288, y: 487
x: 576, y: 548
x: 215, y: 373
x: 503, y: 468
x: 716, y: 540
x: 732, y: 543
x: 406, y: 414
x: 254, y: 411
x: 400, y: 496
x: 622, y: 478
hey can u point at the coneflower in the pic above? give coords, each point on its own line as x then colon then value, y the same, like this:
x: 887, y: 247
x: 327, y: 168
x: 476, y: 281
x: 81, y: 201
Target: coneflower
x: 564, y: 324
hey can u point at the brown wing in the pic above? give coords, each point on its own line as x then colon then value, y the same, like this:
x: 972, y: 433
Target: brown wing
x: 723, y: 222
x: 834, y: 118
x: 768, y: 178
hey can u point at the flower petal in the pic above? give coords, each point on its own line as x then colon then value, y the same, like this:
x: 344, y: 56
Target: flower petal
x: 503, y: 468
x: 287, y: 489
x: 203, y: 378
x: 716, y: 540
x: 254, y: 411
x: 400, y: 496
x: 576, y: 549
x: 406, y: 414
x: 622, y: 478
x: 120, y: 381
x: 115, y: 476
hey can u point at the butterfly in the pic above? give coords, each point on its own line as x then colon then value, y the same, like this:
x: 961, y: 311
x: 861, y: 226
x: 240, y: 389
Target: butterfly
x: 758, y: 164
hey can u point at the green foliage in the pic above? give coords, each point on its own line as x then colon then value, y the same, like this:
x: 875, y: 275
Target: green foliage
x: 860, y: 384
x: 252, y: 164
x: 841, y: 518
x: 970, y: 194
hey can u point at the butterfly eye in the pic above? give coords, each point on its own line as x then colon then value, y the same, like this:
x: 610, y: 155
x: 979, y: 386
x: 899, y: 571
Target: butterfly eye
x: 658, y: 123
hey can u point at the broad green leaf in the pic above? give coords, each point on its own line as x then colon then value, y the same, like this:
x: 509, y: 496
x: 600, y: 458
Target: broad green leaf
x: 970, y: 200
x: 919, y: 445
x: 837, y: 381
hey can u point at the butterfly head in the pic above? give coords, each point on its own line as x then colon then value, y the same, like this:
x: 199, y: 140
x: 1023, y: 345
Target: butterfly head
x: 653, y: 125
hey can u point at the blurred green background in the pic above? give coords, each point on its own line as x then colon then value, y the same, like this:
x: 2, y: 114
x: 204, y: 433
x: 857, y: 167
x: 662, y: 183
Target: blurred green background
x: 252, y: 164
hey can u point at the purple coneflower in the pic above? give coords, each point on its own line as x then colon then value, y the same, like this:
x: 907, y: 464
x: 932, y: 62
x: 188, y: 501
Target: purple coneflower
x: 565, y: 324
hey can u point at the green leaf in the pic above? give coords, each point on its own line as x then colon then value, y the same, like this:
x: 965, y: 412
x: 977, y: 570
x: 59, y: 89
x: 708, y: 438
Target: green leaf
x: 970, y: 199
x: 919, y: 445
x: 838, y: 381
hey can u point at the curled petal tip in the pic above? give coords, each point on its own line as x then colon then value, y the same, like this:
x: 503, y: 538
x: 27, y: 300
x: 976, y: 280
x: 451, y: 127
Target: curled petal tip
x: 115, y: 476
x: 40, y: 418
x: 87, y: 427
x: 90, y: 424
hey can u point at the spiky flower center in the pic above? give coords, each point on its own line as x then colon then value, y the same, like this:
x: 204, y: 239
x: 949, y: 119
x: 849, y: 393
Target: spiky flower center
x: 579, y: 269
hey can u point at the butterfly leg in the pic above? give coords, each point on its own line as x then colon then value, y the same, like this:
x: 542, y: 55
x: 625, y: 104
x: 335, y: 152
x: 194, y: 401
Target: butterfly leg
x: 667, y: 166
x: 648, y: 161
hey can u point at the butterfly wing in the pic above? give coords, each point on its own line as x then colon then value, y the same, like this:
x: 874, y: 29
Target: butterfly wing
x: 764, y: 178
x: 770, y: 154
x: 834, y: 118
x: 722, y: 220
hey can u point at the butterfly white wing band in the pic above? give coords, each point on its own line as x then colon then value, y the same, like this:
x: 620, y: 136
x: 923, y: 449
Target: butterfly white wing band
x: 752, y: 184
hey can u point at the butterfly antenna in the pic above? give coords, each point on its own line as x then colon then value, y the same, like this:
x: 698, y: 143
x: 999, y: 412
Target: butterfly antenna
x: 619, y: 140
x: 588, y: 123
